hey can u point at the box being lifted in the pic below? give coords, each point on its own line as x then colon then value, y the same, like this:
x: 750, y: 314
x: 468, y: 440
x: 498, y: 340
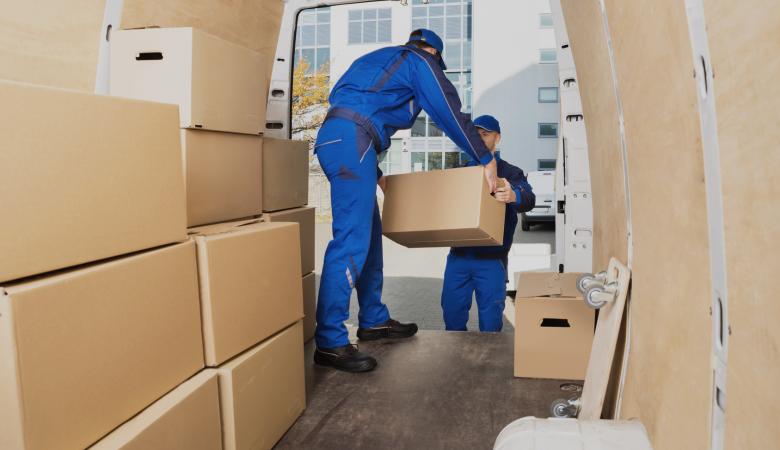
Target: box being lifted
x: 218, y: 85
x: 442, y: 208
x: 553, y: 327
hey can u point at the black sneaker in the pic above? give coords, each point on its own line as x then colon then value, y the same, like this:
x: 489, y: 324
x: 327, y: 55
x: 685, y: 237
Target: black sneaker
x: 392, y: 329
x: 346, y: 358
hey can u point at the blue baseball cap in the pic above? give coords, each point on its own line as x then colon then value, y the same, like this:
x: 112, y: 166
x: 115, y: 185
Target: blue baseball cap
x: 488, y: 123
x: 432, y: 39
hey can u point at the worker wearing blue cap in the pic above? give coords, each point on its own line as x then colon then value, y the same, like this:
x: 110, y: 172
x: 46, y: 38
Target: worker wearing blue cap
x: 380, y: 93
x: 482, y: 270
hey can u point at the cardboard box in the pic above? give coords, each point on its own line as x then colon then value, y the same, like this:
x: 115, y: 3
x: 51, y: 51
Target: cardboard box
x: 223, y: 173
x: 187, y: 418
x: 553, y: 327
x: 285, y: 174
x: 442, y: 208
x: 250, y: 285
x: 77, y: 183
x: 83, y: 351
x: 305, y: 218
x: 263, y: 392
x: 218, y: 85
x: 309, y: 307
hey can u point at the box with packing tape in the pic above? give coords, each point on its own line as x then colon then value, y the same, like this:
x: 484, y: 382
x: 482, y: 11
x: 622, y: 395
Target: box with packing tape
x: 250, y: 284
x: 442, y: 208
x: 553, y: 327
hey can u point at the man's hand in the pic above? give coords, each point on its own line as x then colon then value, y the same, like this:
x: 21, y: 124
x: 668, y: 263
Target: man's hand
x: 382, y: 182
x: 505, y: 193
x: 490, y: 175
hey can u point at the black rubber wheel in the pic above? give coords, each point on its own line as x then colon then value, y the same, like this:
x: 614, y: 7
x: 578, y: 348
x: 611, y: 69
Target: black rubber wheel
x: 525, y: 226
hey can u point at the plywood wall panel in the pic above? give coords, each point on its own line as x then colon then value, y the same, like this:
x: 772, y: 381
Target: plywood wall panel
x: 251, y: 23
x: 51, y: 42
x: 669, y: 377
x: 744, y: 39
x: 591, y: 57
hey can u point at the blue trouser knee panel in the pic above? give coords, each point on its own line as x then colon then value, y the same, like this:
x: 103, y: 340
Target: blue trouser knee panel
x: 353, y: 258
x: 463, y: 277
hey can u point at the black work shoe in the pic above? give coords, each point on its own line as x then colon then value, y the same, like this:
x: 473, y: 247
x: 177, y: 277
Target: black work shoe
x: 392, y: 329
x: 346, y: 358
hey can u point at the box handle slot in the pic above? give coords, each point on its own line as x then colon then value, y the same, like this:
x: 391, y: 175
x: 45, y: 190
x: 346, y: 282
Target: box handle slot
x: 555, y: 323
x: 149, y: 56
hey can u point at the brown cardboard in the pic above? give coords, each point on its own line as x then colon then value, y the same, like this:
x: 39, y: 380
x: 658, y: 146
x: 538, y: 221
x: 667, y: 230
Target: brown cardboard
x: 187, y: 418
x: 250, y: 23
x: 250, y: 285
x: 84, y: 177
x: 442, y: 208
x: 262, y: 392
x: 553, y: 332
x: 223, y: 173
x: 309, y: 307
x: 305, y: 218
x: 38, y: 46
x: 285, y: 174
x: 85, y: 350
x: 218, y: 85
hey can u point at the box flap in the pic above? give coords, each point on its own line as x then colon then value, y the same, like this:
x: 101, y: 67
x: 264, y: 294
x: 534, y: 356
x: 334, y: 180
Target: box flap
x: 547, y: 284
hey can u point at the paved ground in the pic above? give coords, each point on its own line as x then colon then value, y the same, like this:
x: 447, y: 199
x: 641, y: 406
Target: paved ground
x: 413, y: 277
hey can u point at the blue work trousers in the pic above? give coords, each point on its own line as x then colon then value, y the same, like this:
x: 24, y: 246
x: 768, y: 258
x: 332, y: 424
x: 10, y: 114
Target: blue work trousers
x: 466, y: 275
x: 353, y: 259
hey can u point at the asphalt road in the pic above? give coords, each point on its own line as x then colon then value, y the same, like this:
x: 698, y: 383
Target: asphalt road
x: 413, y: 278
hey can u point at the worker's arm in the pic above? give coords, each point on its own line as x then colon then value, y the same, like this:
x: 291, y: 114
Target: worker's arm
x: 524, y: 198
x: 439, y: 98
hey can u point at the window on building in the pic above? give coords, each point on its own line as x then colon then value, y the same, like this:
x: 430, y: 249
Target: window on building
x: 548, y: 130
x: 545, y: 20
x: 370, y: 26
x: 418, y: 162
x: 548, y: 95
x: 547, y: 56
x: 546, y: 164
x: 312, y: 40
x: 451, y: 160
x: 452, y: 22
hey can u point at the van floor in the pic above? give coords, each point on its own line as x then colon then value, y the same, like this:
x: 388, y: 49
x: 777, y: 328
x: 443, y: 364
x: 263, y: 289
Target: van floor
x: 437, y: 390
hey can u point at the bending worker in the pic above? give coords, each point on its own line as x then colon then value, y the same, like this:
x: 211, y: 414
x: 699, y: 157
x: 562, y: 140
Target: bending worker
x: 484, y: 269
x: 380, y: 93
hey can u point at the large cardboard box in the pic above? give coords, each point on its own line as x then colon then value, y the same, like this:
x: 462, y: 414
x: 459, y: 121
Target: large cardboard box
x: 305, y: 218
x: 83, y: 351
x: 309, y: 307
x: 218, y: 85
x: 187, y: 418
x: 262, y: 392
x: 223, y: 173
x: 285, y: 174
x: 442, y: 208
x: 84, y: 177
x: 553, y: 327
x: 250, y: 284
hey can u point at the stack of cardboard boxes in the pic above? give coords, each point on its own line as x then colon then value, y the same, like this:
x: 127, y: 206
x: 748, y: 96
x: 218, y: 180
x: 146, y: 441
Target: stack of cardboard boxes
x: 285, y: 192
x: 119, y: 327
x: 249, y: 271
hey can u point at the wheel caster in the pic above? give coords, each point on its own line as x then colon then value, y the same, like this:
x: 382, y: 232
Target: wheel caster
x: 598, y: 296
x: 562, y: 408
x: 588, y: 280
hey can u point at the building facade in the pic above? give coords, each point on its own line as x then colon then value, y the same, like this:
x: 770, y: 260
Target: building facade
x: 520, y: 89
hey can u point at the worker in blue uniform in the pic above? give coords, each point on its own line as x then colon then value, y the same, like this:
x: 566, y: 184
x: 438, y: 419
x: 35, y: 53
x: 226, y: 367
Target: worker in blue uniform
x: 380, y: 93
x: 483, y: 270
